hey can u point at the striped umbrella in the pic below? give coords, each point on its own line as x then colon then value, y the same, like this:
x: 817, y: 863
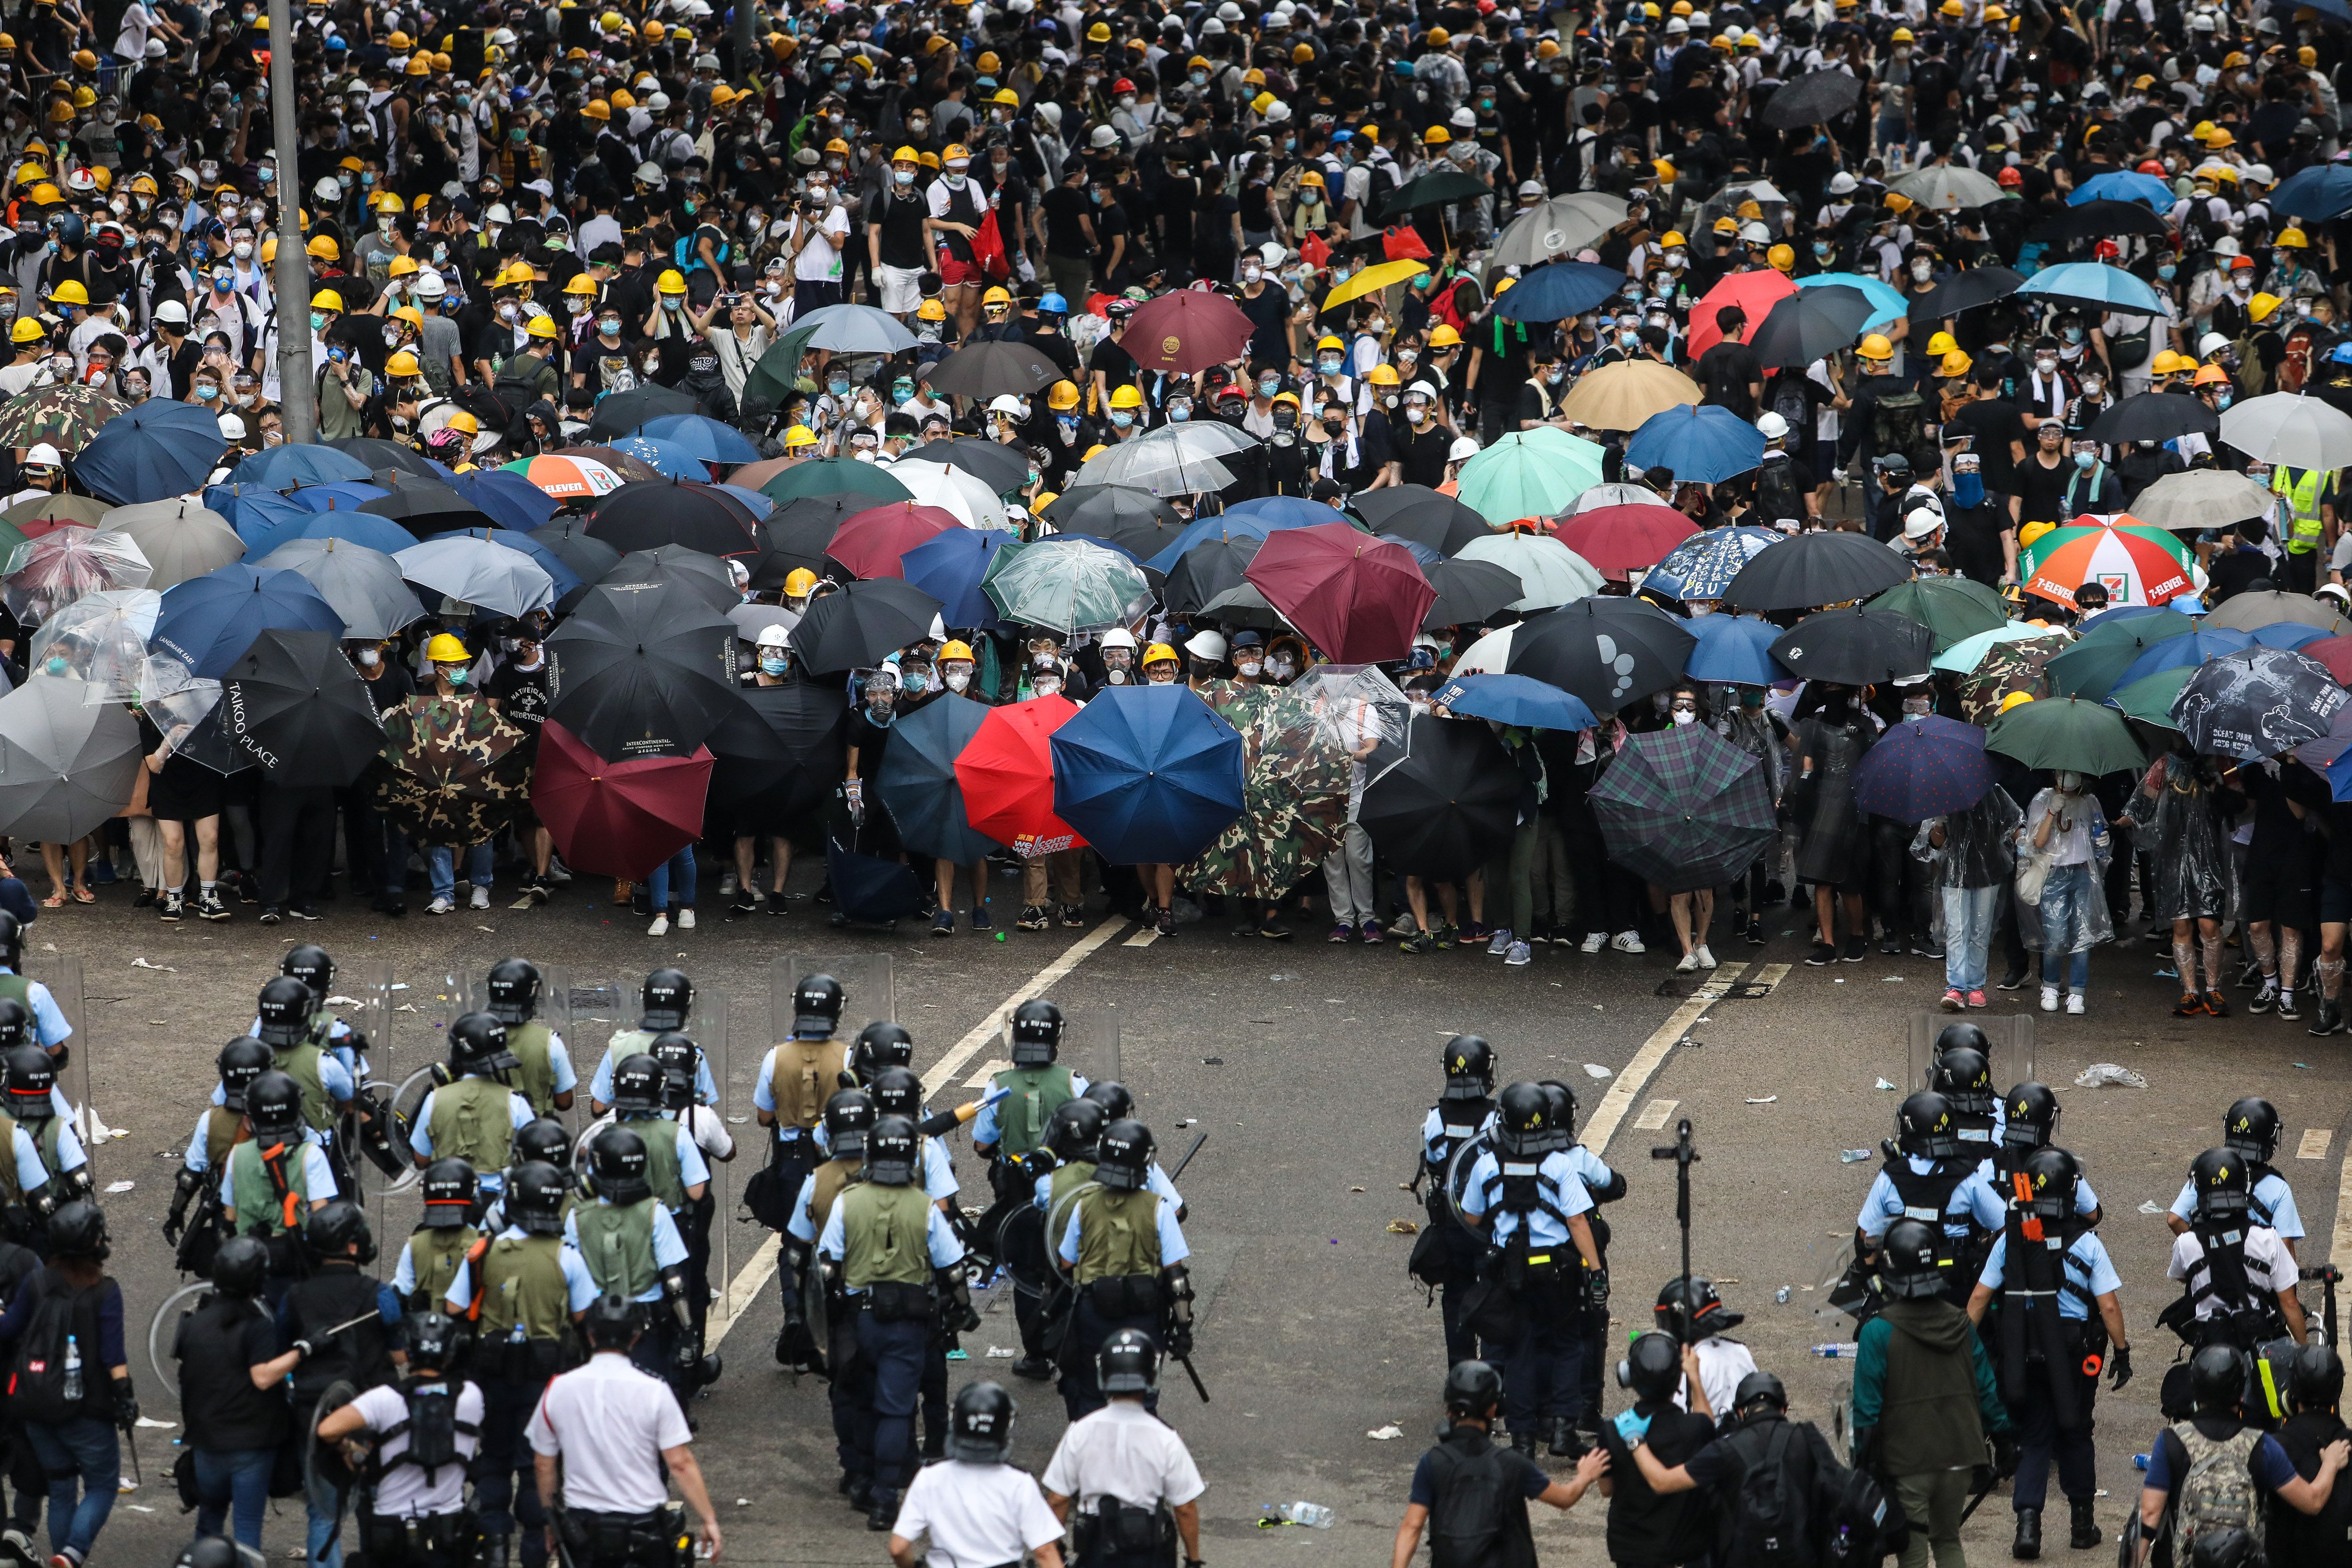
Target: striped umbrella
x: 2137, y: 564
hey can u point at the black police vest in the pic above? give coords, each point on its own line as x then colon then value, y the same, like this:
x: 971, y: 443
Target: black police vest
x: 361, y: 1354
x: 1928, y: 1197
x: 2034, y: 1341
x: 1460, y: 1119
x: 2257, y: 1210
x: 430, y: 1427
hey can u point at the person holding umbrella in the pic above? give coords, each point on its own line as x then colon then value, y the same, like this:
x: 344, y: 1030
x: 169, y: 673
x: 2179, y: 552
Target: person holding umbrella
x: 1833, y: 839
x: 521, y: 690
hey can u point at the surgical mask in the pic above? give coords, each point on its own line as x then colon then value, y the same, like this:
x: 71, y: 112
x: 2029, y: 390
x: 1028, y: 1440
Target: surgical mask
x: 207, y: 391
x: 958, y: 679
x: 1327, y: 367
x: 1249, y: 667
x: 1179, y: 412
x: 2166, y: 271
x: 902, y: 391
x: 318, y: 321
x: 2084, y: 461
x: 1267, y: 386
x: 838, y: 385
x: 1556, y: 374
x: 904, y: 176
x: 916, y: 682
x: 2073, y: 334
x: 1282, y: 667
x: 1121, y: 418
x: 1822, y: 247
x: 56, y: 665
x: 455, y: 674
x: 610, y: 326
x: 1914, y: 709
x: 2221, y: 400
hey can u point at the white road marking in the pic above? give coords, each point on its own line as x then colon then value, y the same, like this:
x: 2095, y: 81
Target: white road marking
x: 2339, y: 1251
x: 1143, y: 938
x: 987, y: 1070
x: 1655, y: 1114
x: 2314, y: 1143
x: 1636, y: 1074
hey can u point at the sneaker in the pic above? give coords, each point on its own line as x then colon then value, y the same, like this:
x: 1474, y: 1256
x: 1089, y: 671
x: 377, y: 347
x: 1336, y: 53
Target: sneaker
x: 1518, y: 954
x: 1823, y: 954
x: 1500, y: 942
x: 1539, y: 933
x: 943, y: 923
x: 210, y: 908
x: 747, y: 903
x: 660, y: 926
x: 2190, y: 1005
x: 1625, y: 942
x: 1977, y: 999
x: 2014, y: 980
x: 1032, y: 918
x: 2330, y: 1018
x: 1686, y: 963
x: 1756, y: 933
x: 480, y: 898
x: 980, y: 919
x: 1594, y: 940
x: 1073, y: 916
x: 270, y: 915
x: 2287, y: 1005
x: 1446, y: 936
x: 249, y: 891
x: 440, y: 906
x: 1926, y: 947
x: 1953, y: 1002
x: 305, y: 911
x: 685, y: 920
x: 1341, y: 932
x: 101, y: 873
x: 2217, y: 1004
x: 1273, y: 929
x: 557, y: 871
x: 1476, y: 932
x: 146, y: 898
x: 1891, y: 945
x: 1372, y: 930
x: 1856, y: 950
x: 1419, y: 941
x: 2263, y: 1000
x: 2050, y: 998
x: 1773, y: 891
x: 726, y: 883
x: 2074, y: 1002
x: 170, y: 906
x: 1166, y: 925
x: 775, y: 902
x: 2250, y: 974
x: 1706, y: 959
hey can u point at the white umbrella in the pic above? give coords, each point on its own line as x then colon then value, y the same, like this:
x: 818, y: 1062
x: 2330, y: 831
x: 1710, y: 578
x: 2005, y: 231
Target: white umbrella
x: 478, y: 571
x: 101, y: 638
x: 1946, y: 187
x: 1490, y: 655
x: 945, y: 486
x: 2288, y: 428
x: 2201, y: 499
x: 1158, y: 464
x: 1551, y: 572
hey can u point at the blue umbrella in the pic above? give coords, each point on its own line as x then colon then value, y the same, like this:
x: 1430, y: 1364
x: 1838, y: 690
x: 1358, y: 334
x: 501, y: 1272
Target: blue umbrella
x: 2095, y: 283
x: 2190, y: 647
x: 262, y: 517
x: 918, y: 781
x: 1930, y: 767
x: 363, y: 528
x: 336, y: 495
x: 1700, y: 442
x: 152, y: 452
x: 564, y: 576
x: 1284, y: 511
x: 948, y: 567
x: 1421, y: 554
x: 1224, y: 525
x: 506, y: 499
x: 1736, y: 649
x: 707, y: 439
x: 2317, y: 194
x: 2186, y: 606
x: 283, y: 467
x: 760, y: 504
x: 1702, y: 567
x: 1519, y: 699
x: 208, y: 622
x: 2124, y: 188
x: 2288, y: 634
x: 1887, y: 303
x: 1558, y: 290
x: 1148, y: 775
x: 668, y: 457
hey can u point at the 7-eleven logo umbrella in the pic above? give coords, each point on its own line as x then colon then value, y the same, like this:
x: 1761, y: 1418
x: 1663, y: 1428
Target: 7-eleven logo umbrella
x: 2136, y: 563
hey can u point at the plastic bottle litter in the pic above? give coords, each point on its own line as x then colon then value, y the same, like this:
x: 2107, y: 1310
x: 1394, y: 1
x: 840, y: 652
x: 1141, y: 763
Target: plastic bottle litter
x: 2139, y: 1461
x: 2150, y: 1206
x: 1314, y: 1515
x: 1837, y: 1353
x: 2102, y: 1074
x: 1853, y: 1156
x: 1594, y: 1069
x: 1783, y: 1294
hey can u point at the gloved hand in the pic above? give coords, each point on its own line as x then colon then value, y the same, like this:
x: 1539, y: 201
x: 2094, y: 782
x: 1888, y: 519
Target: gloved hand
x: 174, y: 1227
x: 303, y: 1350
x: 853, y: 791
x: 1596, y: 1288
x: 2119, y: 1366
x: 685, y: 1358
x: 126, y: 1405
x: 2004, y: 1455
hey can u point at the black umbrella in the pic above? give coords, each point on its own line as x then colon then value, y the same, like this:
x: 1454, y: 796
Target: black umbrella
x: 1448, y: 806
x: 1856, y: 645
x: 867, y: 889
x: 780, y: 753
x: 862, y: 624
x: 644, y: 670
x: 704, y: 577
x: 426, y: 507
x: 1207, y: 570
x: 567, y: 540
x: 2101, y: 220
x: 992, y: 370
x: 795, y: 534
x: 2155, y: 416
x: 294, y: 702
x: 1816, y: 569
x: 1977, y: 286
x: 918, y: 781
x: 1136, y: 520
x: 380, y: 454
x: 1810, y: 324
x: 1421, y: 514
x: 1608, y: 651
x: 1810, y: 100
x: 999, y: 467
x: 1469, y: 591
x: 1442, y: 188
x: 649, y: 513
x: 623, y: 412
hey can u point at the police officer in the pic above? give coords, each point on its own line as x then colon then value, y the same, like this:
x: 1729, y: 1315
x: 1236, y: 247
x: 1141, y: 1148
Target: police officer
x: 662, y: 1004
x: 283, y: 1022
x: 1932, y: 1178
x: 897, y: 1091
x: 1603, y: 1185
x: 542, y: 1071
x: 881, y: 1044
x: 2250, y: 1129
x: 436, y: 1249
x: 1124, y: 1251
x: 1692, y: 1311
x: 1962, y: 1074
x: 343, y: 1322
x: 47, y: 1168
x: 50, y: 1029
x: 702, y: 1131
x: 2030, y: 1122
x: 1011, y: 1127
x: 233, y: 1391
x: 634, y: 1250
x: 425, y: 1429
x: 2061, y: 1324
x: 980, y: 1506
x: 315, y: 967
x: 797, y: 1078
x: 1542, y: 1275
x: 475, y: 1116
x: 218, y: 1129
x: 2232, y: 1268
x: 275, y: 1178
x: 817, y: 1336
x: 1446, y: 1256
x: 1126, y: 1474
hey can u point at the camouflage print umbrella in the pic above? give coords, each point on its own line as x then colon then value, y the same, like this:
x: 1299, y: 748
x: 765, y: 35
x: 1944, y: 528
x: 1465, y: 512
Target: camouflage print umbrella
x: 451, y: 772
x: 2009, y: 667
x: 1685, y: 808
x: 1294, y: 796
x: 66, y: 417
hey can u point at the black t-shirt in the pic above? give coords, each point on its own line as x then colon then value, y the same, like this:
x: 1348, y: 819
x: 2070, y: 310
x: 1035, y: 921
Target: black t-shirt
x: 1973, y: 538
x: 2235, y: 570
x: 1726, y: 371
x: 1421, y: 455
x: 869, y: 740
x: 1064, y: 206
x: 2042, y: 491
x: 1646, y: 1530
x: 218, y: 1345
x: 522, y: 694
x: 1117, y: 366
x: 1995, y: 422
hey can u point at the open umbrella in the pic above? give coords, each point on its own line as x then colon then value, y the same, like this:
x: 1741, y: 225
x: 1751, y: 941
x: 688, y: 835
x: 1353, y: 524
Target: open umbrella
x: 2124, y: 187
x: 381, y: 454
x: 2289, y: 428
x: 703, y: 576
x: 2065, y: 733
x: 949, y: 567
x: 40, y: 514
x: 67, y: 764
x: 180, y: 539
x: 1928, y: 767
x: 666, y: 458
x: 1242, y: 609
x: 68, y: 416
x: 1855, y: 646
x: 999, y: 467
x: 1168, y: 461
x: 1966, y: 291
x: 1754, y: 292
x: 1448, y: 805
x: 2009, y: 667
x: 1370, y: 281
x: 2150, y: 699
x: 100, y: 638
x: 1950, y: 608
x: 1469, y: 592
x: 1552, y: 573
x: 705, y: 439
x: 2199, y: 499
x: 1947, y: 188
x: 562, y: 577
x: 834, y: 476
x: 1529, y: 473
x: 149, y: 453
x: 362, y: 587
x: 568, y: 479
x: 2190, y: 647
x: 2155, y: 416
x: 284, y: 467
x: 451, y: 772
x: 1208, y: 568
x: 263, y: 518
x: 1070, y: 584
x: 1703, y: 566
x: 1608, y: 651
x: 1360, y: 600
x: 1887, y: 303
x: 647, y: 515
x: 619, y: 413
x: 58, y: 568
x: 344, y: 494
x: 2092, y: 667
x: 1518, y: 700
x: 874, y: 542
x: 1733, y: 648
x: 1702, y: 445
x: 1963, y: 656
x: 919, y: 785
x: 1186, y: 330
x: 862, y: 624
x: 643, y: 670
x: 1562, y: 225
x: 2137, y: 565
x: 2091, y: 283
x: 985, y: 370
x: 1440, y: 187
x: 1127, y: 519
x: 2268, y: 607
x: 478, y: 571
x: 2103, y: 220
x: 965, y: 496
x: 1418, y: 513
x: 2290, y: 634
x: 509, y: 500
x: 426, y: 508
x: 1007, y: 774
x: 1620, y: 396
x: 208, y: 621
x: 2335, y: 653
x: 1558, y: 289
x: 1814, y: 99
x: 1147, y: 774
x: 616, y: 819
x: 2257, y: 702
x: 1815, y: 569
x: 779, y: 757
x: 1684, y: 808
x: 294, y: 702
x: 1622, y: 542
x: 1810, y: 324
x: 567, y: 539
x: 621, y: 463
x: 1295, y: 795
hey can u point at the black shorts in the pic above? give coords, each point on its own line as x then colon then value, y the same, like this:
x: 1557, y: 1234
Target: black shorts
x: 2282, y: 886
x: 2335, y: 902
x: 184, y: 791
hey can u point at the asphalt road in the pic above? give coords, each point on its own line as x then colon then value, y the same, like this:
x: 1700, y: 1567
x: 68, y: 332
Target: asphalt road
x: 1309, y: 1068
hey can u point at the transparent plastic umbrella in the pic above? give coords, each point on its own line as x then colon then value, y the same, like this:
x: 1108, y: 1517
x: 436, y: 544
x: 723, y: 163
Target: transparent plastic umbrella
x: 60, y: 567
x: 1070, y: 584
x: 947, y: 487
x: 101, y: 638
x: 1163, y: 466
x: 176, y: 699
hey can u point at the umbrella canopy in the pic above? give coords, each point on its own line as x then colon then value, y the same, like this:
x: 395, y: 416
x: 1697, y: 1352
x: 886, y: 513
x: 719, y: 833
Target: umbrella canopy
x: 208, y: 621
x: 1950, y: 608
x: 999, y: 467
x: 1810, y: 324
x: 2335, y: 653
x: 179, y: 538
x: 1369, y: 282
x: 2103, y: 220
x: 1209, y: 569
x: 1124, y: 518
x: 567, y: 479
x: 1816, y: 569
x: 985, y: 370
x: 2268, y: 607
x: 642, y: 669
x: 2315, y: 193
x: 1282, y: 511
x: 1703, y: 566
x: 667, y: 458
x: 874, y: 542
x: 1418, y: 514
x: 779, y: 754
x: 67, y: 764
x: 1518, y: 699
x: 2287, y: 427
x: 1360, y: 600
x: 1622, y: 542
x: 1703, y: 445
x: 1469, y: 592
x: 703, y: 576
x: 2093, y: 283
x: 562, y: 577
x: 1929, y: 767
x: 1855, y: 646
x: 2010, y: 667
x: 833, y: 477
x: 1007, y: 774
x: 379, y: 454
x: 100, y: 638
x: 293, y: 702
x: 1621, y: 396
x: 1560, y: 225
x: 1558, y: 290
x: 1148, y: 774
x: 2139, y: 565
x: 1230, y: 525
x: 364, y: 529
x: 1242, y: 609
x: 1609, y: 652
x: 2190, y: 647
x: 568, y: 540
x: 1552, y: 573
x: 1814, y: 99
x: 1977, y: 286
x: 265, y: 519
x: 645, y: 516
x: 1684, y: 808
x: 452, y: 772
x: 621, y: 463
x: 793, y: 536
x: 1733, y: 648
x: 2068, y: 734
x: 616, y: 819
x: 1442, y: 187
x: 478, y: 571
x: 426, y: 508
x: 1295, y: 794
x: 2106, y: 649
x: 342, y: 495
x: 2199, y: 499
x: 1964, y: 655
x: 918, y: 783
x: 66, y: 416
x: 509, y: 500
x: 949, y: 567
x: 1754, y: 292
x: 58, y: 568
x: 1887, y: 303
x: 1447, y: 805
x: 150, y: 453
x: 1167, y: 461
x: 750, y: 620
x: 943, y: 485
x: 1529, y: 473
x: 2288, y: 634
x: 705, y: 439
x: 2257, y: 702
x: 2124, y: 188
x: 284, y: 467
x: 757, y: 505
x: 1069, y: 584
x: 1188, y: 330
x: 2155, y: 416
x: 862, y: 625
x: 1947, y: 188
x: 619, y: 413
x: 362, y: 587
x: 41, y: 514
x: 2151, y: 700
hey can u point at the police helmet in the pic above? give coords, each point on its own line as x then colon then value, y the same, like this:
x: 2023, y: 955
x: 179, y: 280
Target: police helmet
x: 1908, y: 1268
x: 616, y: 1167
x: 881, y: 1044
x: 637, y: 1084
x: 897, y: 1091
x: 335, y: 1227
x: 1071, y: 1129
x: 979, y: 1427
x: 1924, y: 1124
x: 1560, y: 1107
x: 241, y: 1061
x: 610, y: 1322
x: 2217, y: 1380
x: 78, y: 1230
x: 541, y: 1138
x: 1123, y: 1156
x: 816, y: 1006
x: 240, y: 1266
x: 1036, y: 1032
x: 667, y: 999
x: 311, y: 965
x: 1129, y: 1363
x: 1469, y: 1063
x: 1962, y: 1076
x: 890, y: 1151
x: 511, y: 994
x: 1692, y: 1307
x: 478, y: 1047
x: 849, y: 1116
x: 1522, y: 1120
x: 212, y: 1552
x: 2032, y: 1116
x: 678, y: 1056
x: 273, y: 1103
x: 1112, y: 1096
x: 285, y: 1009
x: 17, y: 1025
x: 2251, y: 1129
x: 1757, y: 1388
x: 1653, y: 1367
x: 2221, y: 1183
x: 2315, y: 1378
x: 436, y: 1339
x: 1963, y: 1036
x: 449, y: 1189
x: 12, y: 941
x: 2050, y: 1175
x: 2225, y: 1546
x: 31, y: 1077
x: 1473, y: 1389
x: 534, y: 1198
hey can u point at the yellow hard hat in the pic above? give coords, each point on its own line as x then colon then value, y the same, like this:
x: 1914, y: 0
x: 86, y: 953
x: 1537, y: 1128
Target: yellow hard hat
x: 2292, y: 239
x: 907, y: 155
x: 1955, y: 365
x: 2032, y: 531
x: 987, y: 64
x: 2014, y: 698
x: 621, y: 96
x: 949, y: 650
x: 799, y: 436
x: 540, y: 327
x: 2263, y: 307
x: 1443, y: 337
x: 1007, y: 97
x: 1159, y: 653
x: 671, y: 281
x: 996, y: 296
x: 26, y: 331
x: 1254, y: 77
x: 45, y: 196
x: 143, y: 185
x: 580, y: 284
x: 1302, y: 53
x: 2165, y: 363
x: 1782, y: 258
x: 1896, y: 202
x: 2222, y: 138
x: 269, y: 250
x: 1262, y: 102
x: 1127, y: 397
x: 1902, y: 36
x: 412, y: 315
x: 1062, y: 396
x: 1439, y: 38
x: 1100, y: 33
x: 1876, y: 346
x: 1726, y: 224
x: 402, y: 265
x: 465, y: 423
x: 1940, y: 344
x: 1436, y: 136
x: 800, y: 581
x: 403, y: 363
x: 1382, y: 375
x: 397, y: 42
x: 1088, y: 455
x: 69, y: 293
x: 1663, y: 169
x: 518, y: 271
x: 444, y: 648
x: 931, y: 310
x: 1328, y: 342
x: 597, y: 108
x: 418, y: 65
x: 324, y: 249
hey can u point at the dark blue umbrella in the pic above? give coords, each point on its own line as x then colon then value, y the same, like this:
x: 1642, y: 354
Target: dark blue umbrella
x: 1224, y: 525
x: 1700, y: 442
x: 2186, y: 606
x: 283, y: 467
x: 262, y: 517
x: 1519, y: 699
x: 706, y: 438
x: 1928, y: 767
x: 666, y: 458
x: 1148, y: 775
x: 507, y: 498
x: 2317, y: 194
x: 948, y: 567
x: 208, y: 622
x: 1736, y: 649
x: 565, y: 578
x: 359, y: 527
x: 1558, y: 290
x: 154, y: 452
x: 867, y: 889
x: 337, y: 495
x: 918, y: 781
x: 759, y: 502
x: 2190, y: 647
x: 2288, y: 634
x: 1421, y: 554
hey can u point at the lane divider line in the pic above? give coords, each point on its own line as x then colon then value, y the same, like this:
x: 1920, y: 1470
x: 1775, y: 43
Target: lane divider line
x: 1636, y: 1074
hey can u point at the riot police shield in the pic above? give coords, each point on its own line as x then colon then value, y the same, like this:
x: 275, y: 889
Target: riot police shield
x: 2010, y: 1035
x: 868, y: 991
x: 554, y: 1009
x: 327, y: 1470
x: 164, y: 1332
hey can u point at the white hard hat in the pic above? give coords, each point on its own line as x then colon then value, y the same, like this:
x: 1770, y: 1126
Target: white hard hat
x: 326, y: 190
x: 1105, y: 136
x: 774, y: 636
x: 1754, y: 232
x: 44, y: 456
x: 1119, y: 636
x: 1771, y: 426
x: 1464, y: 120
x: 2210, y: 343
x: 1051, y: 113
x: 1676, y: 27
x: 1275, y: 113
x: 1464, y: 447
x: 1229, y: 12
x: 430, y: 285
x: 173, y: 313
x: 1841, y: 183
x: 499, y: 213
x: 1531, y: 188
x: 1919, y: 525
x: 658, y: 103
x: 232, y: 428
x: 1207, y: 645
x: 1212, y: 28
x: 155, y: 49
x: 1006, y: 403
x: 1273, y: 254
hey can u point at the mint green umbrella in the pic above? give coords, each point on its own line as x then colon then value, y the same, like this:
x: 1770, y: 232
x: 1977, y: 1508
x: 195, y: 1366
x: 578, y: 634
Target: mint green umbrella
x: 1069, y: 584
x: 1529, y: 473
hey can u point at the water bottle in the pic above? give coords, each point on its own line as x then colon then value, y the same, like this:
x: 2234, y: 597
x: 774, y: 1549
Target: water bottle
x: 73, y: 1368
x: 1312, y: 1514
x: 1834, y: 1353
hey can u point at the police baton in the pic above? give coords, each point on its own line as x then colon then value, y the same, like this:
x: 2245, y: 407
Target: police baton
x: 1185, y: 1362
x: 1685, y: 1154
x: 1179, y: 1171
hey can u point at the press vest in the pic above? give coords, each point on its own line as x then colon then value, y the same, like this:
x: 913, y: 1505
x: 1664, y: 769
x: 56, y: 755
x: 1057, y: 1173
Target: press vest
x: 618, y: 1241
x: 522, y: 1282
x: 263, y: 1208
x: 473, y: 1122
x: 435, y: 1254
x: 1020, y: 1115
x: 2301, y: 493
x: 886, y: 1235
x: 533, y: 1046
x: 1118, y: 1234
x: 801, y: 1076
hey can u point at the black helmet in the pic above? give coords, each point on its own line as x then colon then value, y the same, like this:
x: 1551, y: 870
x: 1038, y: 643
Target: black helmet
x: 1653, y: 1367
x: 1071, y: 1129
x: 273, y: 1103
x: 1758, y: 1388
x: 535, y: 1197
x: 2315, y: 1378
x: 31, y: 1076
x: 1472, y: 1388
x: 1907, y: 1260
x: 241, y: 1061
x: 1964, y: 1077
x: 309, y: 965
x: 1129, y: 1363
x: 637, y: 1084
x: 1123, y: 1156
x: 1522, y: 1120
x: 214, y: 1551
x: 616, y: 1167
x: 890, y: 1151
x: 2217, y: 1380
x: 610, y: 1322
x: 897, y: 1091
x: 17, y: 1025
x: 240, y: 1265
x: 285, y: 1008
x: 78, y: 1230
x: 1468, y: 1062
x: 1925, y: 1126
x: 849, y: 1116
x: 979, y: 1427
x: 816, y: 1007
x: 12, y: 941
x: 1113, y: 1097
x: 449, y: 1188
x: 2220, y: 1183
x: 2224, y: 1546
x: 333, y: 1226
x: 1036, y: 1032
x: 881, y: 1044
x: 678, y: 1056
x: 1560, y: 1103
x: 667, y: 999
x: 478, y: 1047
x: 543, y: 1138
x: 511, y: 994
x: 2252, y: 1128
x: 1963, y: 1036
x: 436, y: 1339
x: 2050, y: 1175
x: 1692, y: 1307
x: 2032, y: 1112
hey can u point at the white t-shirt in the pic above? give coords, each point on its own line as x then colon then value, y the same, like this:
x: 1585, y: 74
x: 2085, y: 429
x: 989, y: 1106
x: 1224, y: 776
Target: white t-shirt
x: 2269, y: 1266
x: 610, y: 1422
x: 820, y: 257
x: 1126, y: 1451
x: 132, y: 44
x: 403, y: 1492
x: 975, y: 1514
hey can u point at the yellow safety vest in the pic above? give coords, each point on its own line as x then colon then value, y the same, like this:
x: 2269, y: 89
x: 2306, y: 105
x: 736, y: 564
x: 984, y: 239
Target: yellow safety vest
x: 2302, y: 491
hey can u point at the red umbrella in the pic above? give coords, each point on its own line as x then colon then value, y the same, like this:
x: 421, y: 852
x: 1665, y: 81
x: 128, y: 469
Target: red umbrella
x: 871, y: 542
x: 1186, y: 330
x: 617, y: 819
x: 1623, y: 539
x: 1754, y: 292
x: 2335, y: 653
x: 1360, y: 600
x: 1006, y: 772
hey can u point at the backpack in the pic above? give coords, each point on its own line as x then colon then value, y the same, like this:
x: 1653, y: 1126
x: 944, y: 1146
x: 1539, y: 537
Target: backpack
x: 1770, y: 1523
x: 1469, y: 1527
x: 37, y: 1379
x: 1898, y: 423
x: 2218, y: 1491
x: 1860, y: 1526
x: 517, y: 389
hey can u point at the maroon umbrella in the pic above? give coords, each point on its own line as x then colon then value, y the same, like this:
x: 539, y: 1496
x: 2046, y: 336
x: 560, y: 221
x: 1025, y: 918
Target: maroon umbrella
x: 619, y: 820
x: 1186, y: 330
x: 1620, y: 540
x: 1360, y: 600
x: 873, y: 543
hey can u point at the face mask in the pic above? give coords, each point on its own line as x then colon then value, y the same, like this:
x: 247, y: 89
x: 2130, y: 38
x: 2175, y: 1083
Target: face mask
x: 1282, y: 667
x: 957, y: 680
x: 1285, y: 419
x: 1629, y: 338
x: 1922, y: 270
x: 916, y: 682
x: 1914, y: 709
x: 207, y: 392
x: 244, y: 249
x: 2046, y: 364
x: 1046, y: 685
x: 2073, y: 334
x: 1250, y: 666
x: 2165, y: 271
x: 902, y: 391
x: 318, y: 321
x: 1121, y: 418
x: 2221, y: 400
x: 1179, y: 412
x: 1267, y: 386
x: 2070, y: 783
x: 1252, y: 274
x: 1822, y: 247
x: 2084, y: 461
x: 1684, y: 716
x: 1327, y: 367
x: 369, y: 658
x: 455, y: 675
x: 1968, y: 489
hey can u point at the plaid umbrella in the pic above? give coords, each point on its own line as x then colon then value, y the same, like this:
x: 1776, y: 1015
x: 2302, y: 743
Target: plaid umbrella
x: 2009, y: 666
x: 451, y: 772
x: 64, y: 415
x: 1685, y: 808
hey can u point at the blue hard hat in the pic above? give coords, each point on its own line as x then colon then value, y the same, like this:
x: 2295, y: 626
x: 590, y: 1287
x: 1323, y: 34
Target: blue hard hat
x: 2342, y: 353
x: 1054, y: 305
x: 1404, y: 67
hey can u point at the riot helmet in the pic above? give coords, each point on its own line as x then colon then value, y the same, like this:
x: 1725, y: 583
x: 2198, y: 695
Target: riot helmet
x: 241, y: 1061
x: 478, y: 1047
x: 897, y: 1091
x: 449, y: 1191
x: 849, y: 1116
x: 1559, y: 1102
x: 1963, y: 1077
x: 1964, y: 1036
x: 1071, y: 1129
x: 31, y: 1077
x: 273, y: 1103
x: 1036, y: 1032
x: 979, y: 1427
x: 285, y: 1008
x: 1691, y: 1308
x: 1113, y: 1097
x: 1129, y: 1363
x: 881, y: 1044
x: 1468, y: 1062
x: 2217, y: 1380
x: 1756, y: 1390
x: 616, y: 1167
x: 12, y: 941
x: 2251, y: 1129
x: 610, y: 1322
x: 2032, y: 1113
x: 678, y: 1056
x: 890, y: 1151
x: 534, y: 1198
x: 2221, y: 1184
x: 78, y: 1230
x: 310, y: 963
x: 816, y: 1007
x: 2050, y: 1175
x: 541, y: 1138
x: 1907, y: 1260
x: 2315, y: 1378
x: 17, y: 1026
x: 1522, y: 1121
x: 436, y: 1339
x: 637, y: 1084
x: 1123, y: 1156
x: 1924, y: 1127
x: 335, y: 1227
x: 1473, y: 1390
x: 667, y: 999
x: 1653, y: 1367
x: 510, y: 995
x: 241, y: 1265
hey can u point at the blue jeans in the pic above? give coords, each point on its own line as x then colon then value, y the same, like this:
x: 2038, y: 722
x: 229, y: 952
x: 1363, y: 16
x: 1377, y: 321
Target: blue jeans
x: 2065, y: 906
x: 678, y: 867
x: 78, y: 1455
x: 233, y: 1482
x: 441, y: 865
x: 322, y: 1538
x: 1967, y: 934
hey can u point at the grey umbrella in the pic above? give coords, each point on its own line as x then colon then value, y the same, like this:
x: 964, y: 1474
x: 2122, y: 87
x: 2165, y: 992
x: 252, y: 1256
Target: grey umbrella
x: 362, y: 585
x: 69, y: 759
x: 750, y: 620
x: 1561, y: 226
x: 478, y: 571
x: 180, y: 539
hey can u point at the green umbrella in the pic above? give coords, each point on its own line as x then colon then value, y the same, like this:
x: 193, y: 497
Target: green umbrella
x: 1068, y: 584
x: 2089, y: 668
x: 2066, y: 733
x: 1949, y: 607
x: 1529, y: 473
x: 2149, y: 698
x: 833, y: 477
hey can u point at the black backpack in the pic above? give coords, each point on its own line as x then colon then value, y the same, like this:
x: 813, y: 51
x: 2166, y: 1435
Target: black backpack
x: 1771, y: 1518
x: 36, y: 1378
x: 1861, y: 1526
x: 1898, y: 423
x: 1471, y: 1524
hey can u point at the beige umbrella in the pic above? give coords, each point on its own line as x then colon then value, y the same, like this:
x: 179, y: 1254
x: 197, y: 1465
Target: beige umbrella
x: 1620, y: 396
x: 180, y: 537
x: 2201, y: 498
